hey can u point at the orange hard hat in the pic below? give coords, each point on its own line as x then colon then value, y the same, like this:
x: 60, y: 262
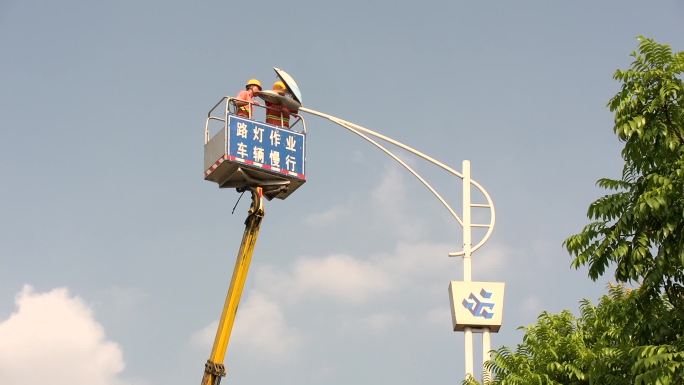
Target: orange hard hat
x: 279, y: 86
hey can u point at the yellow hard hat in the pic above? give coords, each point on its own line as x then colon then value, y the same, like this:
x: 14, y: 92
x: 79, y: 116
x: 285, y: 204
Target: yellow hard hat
x: 279, y: 86
x: 253, y: 82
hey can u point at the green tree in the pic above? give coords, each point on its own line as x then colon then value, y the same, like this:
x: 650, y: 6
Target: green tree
x: 640, y: 227
x: 609, y: 343
x: 630, y: 336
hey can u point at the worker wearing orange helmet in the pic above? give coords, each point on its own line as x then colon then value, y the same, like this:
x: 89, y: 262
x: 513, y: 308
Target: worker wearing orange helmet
x: 251, y: 88
x: 278, y: 114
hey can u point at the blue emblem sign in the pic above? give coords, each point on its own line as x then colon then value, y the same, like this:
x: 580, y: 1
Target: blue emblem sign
x: 478, y: 307
x: 266, y: 146
x: 476, y: 304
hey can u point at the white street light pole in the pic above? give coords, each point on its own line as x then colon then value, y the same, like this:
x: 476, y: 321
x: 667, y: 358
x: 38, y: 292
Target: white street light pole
x: 467, y: 276
x: 465, y: 222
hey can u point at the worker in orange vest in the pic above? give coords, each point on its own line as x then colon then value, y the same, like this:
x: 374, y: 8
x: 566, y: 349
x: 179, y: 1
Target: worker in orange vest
x: 278, y: 114
x: 251, y: 88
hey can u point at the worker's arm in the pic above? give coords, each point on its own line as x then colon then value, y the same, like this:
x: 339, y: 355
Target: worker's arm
x: 244, y: 99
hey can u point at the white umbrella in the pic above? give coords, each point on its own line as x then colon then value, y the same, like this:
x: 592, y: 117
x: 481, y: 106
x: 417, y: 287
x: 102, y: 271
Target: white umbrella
x: 290, y: 83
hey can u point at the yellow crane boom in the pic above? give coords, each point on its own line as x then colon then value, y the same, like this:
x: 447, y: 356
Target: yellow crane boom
x: 214, y: 369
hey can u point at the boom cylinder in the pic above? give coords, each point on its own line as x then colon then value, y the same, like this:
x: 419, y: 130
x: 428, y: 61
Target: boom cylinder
x: 214, y: 368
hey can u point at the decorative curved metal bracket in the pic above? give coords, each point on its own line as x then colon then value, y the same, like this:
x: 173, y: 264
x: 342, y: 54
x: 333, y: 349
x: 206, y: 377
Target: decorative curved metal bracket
x: 365, y: 132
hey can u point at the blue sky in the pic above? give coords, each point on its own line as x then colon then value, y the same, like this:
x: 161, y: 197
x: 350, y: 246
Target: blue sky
x: 115, y: 255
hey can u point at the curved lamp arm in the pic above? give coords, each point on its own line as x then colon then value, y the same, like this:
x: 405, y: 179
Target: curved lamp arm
x: 362, y: 131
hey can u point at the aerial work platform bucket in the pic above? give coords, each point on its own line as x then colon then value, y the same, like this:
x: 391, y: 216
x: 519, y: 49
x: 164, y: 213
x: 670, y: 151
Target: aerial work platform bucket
x: 244, y: 152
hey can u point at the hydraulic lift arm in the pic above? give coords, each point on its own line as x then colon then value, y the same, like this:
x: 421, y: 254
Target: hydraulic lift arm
x: 214, y: 368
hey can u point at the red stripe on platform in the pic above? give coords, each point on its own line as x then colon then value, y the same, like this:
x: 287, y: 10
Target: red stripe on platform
x: 250, y: 162
x: 214, y: 166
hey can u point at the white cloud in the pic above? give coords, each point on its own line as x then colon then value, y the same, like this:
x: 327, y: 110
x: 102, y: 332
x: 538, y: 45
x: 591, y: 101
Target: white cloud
x: 335, y: 277
x: 326, y: 217
x: 391, y: 202
x: 354, y: 280
x: 260, y: 330
x: 261, y: 327
x: 417, y: 260
x: 204, y: 338
x: 490, y: 257
x: 294, y: 311
x: 382, y: 322
x: 54, y: 338
x: 339, y: 277
x: 439, y: 316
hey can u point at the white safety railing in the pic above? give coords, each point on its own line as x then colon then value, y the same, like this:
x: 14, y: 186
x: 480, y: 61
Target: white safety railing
x: 228, y: 105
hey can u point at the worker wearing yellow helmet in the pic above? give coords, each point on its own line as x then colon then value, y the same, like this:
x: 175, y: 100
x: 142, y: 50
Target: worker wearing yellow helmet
x: 251, y: 88
x: 278, y: 114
